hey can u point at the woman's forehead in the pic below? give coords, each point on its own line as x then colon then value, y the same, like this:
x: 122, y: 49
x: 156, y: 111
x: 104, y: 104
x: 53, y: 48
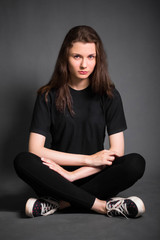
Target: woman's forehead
x: 83, y: 47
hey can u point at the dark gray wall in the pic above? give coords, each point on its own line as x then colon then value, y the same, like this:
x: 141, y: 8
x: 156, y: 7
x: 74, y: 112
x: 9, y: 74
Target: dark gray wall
x: 31, y: 33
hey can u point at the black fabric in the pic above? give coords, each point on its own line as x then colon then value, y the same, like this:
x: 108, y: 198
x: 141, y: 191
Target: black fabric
x: 83, y: 133
x: 124, y: 172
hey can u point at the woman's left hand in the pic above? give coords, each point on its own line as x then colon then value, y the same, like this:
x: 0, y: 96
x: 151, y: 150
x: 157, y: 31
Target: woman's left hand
x: 57, y: 168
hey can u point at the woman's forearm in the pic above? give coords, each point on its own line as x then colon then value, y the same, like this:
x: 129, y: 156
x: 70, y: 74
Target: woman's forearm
x: 62, y: 158
x: 85, y: 172
x: 72, y: 176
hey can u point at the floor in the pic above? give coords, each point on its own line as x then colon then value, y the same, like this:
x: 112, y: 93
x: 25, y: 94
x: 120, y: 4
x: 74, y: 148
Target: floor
x: 77, y: 225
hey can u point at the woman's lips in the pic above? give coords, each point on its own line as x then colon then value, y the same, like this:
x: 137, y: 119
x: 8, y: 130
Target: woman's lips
x: 83, y: 72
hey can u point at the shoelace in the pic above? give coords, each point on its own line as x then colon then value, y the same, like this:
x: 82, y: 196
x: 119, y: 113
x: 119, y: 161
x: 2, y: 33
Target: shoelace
x: 119, y: 208
x: 48, y: 208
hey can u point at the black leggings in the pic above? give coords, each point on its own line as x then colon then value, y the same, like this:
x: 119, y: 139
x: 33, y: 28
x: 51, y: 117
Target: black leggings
x: 123, y: 173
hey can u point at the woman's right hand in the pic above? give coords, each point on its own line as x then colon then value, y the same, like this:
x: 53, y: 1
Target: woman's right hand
x: 104, y: 157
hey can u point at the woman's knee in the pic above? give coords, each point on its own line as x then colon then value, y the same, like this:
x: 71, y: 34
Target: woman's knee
x: 22, y: 159
x: 135, y: 165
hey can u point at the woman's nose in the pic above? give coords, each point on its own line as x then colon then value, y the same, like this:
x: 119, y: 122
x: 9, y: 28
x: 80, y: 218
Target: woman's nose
x: 83, y: 63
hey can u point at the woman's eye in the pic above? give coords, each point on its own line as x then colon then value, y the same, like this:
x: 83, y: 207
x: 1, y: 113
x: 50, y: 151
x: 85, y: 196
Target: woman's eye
x: 77, y: 56
x: 91, y: 57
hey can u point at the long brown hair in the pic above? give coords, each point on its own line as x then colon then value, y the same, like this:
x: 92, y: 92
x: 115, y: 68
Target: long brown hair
x: 100, y: 81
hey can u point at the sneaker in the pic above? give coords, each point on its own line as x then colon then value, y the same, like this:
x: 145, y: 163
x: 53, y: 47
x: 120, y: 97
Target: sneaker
x: 40, y: 207
x: 131, y: 207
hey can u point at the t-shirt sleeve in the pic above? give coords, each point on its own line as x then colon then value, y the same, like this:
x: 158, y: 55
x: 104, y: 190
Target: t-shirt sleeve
x: 115, y: 118
x: 41, y: 120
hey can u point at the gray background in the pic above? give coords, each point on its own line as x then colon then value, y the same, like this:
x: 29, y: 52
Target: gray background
x: 31, y: 33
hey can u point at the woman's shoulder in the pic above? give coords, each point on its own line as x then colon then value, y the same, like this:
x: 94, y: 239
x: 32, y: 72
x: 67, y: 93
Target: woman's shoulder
x: 115, y: 95
x: 112, y: 101
x: 46, y: 98
x: 47, y: 94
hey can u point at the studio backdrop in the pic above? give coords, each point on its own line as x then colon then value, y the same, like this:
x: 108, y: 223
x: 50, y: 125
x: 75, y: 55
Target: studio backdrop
x: 31, y: 33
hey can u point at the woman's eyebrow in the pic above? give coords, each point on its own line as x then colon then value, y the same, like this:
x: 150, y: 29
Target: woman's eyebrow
x: 81, y: 54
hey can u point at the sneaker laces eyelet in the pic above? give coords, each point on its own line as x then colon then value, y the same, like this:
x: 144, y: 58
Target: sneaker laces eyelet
x: 119, y: 208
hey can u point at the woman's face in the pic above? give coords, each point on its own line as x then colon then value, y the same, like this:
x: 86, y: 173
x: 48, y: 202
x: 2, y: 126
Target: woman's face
x: 81, y: 60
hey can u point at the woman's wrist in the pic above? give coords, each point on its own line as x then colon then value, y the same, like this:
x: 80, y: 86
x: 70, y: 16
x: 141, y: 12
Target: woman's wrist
x: 72, y: 176
x: 87, y: 160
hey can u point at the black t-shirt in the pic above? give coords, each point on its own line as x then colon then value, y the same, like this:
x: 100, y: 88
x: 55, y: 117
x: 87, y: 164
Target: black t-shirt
x: 84, y: 132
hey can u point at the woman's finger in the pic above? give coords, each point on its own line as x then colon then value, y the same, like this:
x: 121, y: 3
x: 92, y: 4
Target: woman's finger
x: 46, y: 160
x: 111, y: 158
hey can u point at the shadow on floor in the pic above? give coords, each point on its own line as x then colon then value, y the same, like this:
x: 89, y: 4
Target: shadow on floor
x: 16, y: 203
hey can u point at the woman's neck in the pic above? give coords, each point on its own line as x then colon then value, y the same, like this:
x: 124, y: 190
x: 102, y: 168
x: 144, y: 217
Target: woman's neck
x: 79, y: 84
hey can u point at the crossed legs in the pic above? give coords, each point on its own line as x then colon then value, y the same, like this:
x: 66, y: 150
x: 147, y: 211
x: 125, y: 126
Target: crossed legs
x: 91, y: 192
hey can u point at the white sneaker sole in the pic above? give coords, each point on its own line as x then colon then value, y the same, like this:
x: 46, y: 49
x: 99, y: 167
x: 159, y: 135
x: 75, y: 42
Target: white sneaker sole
x: 29, y: 206
x: 139, y: 203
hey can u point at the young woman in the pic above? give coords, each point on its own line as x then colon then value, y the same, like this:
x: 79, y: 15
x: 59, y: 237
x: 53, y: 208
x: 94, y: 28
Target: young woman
x: 77, y: 107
